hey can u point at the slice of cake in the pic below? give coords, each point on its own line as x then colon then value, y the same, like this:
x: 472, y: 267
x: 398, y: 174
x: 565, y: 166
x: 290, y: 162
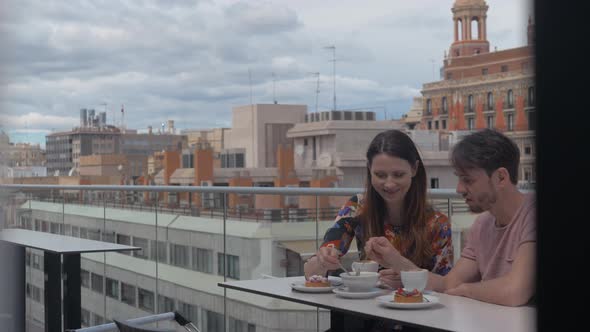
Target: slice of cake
x: 317, y: 281
x: 403, y: 296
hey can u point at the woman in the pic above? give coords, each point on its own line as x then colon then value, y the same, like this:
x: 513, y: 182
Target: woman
x: 394, y: 206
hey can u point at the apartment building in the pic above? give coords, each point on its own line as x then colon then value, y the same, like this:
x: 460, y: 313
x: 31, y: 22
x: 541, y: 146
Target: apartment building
x: 183, y: 259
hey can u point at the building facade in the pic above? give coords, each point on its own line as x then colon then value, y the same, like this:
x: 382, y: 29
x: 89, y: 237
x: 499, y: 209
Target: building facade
x: 482, y: 88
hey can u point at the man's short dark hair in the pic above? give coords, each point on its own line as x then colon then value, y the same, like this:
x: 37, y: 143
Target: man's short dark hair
x: 489, y: 150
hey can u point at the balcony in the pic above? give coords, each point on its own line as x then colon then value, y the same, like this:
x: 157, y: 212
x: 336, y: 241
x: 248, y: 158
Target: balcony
x: 191, y: 238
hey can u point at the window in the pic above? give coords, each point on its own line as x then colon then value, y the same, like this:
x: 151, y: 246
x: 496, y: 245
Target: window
x: 450, y: 75
x: 305, y: 142
x: 510, y: 98
x: 83, y: 233
x: 125, y: 240
x: 490, y: 122
x: 94, y: 234
x: 165, y: 304
x: 145, y: 299
x: 232, y: 265
x: 470, y: 104
x: 445, y: 105
x: 108, y: 236
x: 96, y: 283
x: 28, y: 259
x: 444, y: 124
x: 236, y: 325
x: 434, y: 183
x: 128, y: 294
x: 189, y: 311
x: 75, y: 231
x: 504, y: 68
x: 202, y: 260
x: 429, y: 125
x: 510, y: 122
x: 143, y: 244
x: 347, y: 115
x: 214, y: 321
x: 428, y: 106
x: 436, y: 124
x: 531, y: 95
x: 37, y: 261
x: 179, y: 255
x: 528, y: 175
x: 85, y: 278
x: 470, y: 124
x: 490, y: 101
x: 484, y: 71
x: 527, y: 149
x: 112, y: 288
x: 162, y: 251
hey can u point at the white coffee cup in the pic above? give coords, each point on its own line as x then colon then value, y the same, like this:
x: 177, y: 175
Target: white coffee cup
x: 365, y: 266
x: 364, y: 282
x: 415, y: 279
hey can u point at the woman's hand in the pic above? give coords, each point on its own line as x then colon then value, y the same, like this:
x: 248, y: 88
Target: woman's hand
x: 390, y: 278
x: 329, y: 258
x: 382, y: 251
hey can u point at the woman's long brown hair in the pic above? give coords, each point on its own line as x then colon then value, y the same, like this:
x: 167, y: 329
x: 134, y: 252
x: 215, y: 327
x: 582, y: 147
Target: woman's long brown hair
x: 416, y: 210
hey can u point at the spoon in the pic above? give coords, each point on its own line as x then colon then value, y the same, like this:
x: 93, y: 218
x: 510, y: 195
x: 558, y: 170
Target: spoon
x: 342, y: 267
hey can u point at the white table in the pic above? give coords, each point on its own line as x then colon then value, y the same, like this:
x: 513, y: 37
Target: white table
x: 61, y: 259
x: 453, y: 313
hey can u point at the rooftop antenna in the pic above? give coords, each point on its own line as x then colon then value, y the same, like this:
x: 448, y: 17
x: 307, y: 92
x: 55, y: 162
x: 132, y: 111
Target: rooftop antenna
x: 123, y: 117
x: 252, y: 111
x: 274, y: 97
x: 317, y: 89
x: 333, y: 48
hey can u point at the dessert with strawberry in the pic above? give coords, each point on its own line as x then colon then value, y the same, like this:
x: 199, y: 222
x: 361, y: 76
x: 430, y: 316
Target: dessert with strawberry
x: 404, y: 296
x: 317, y: 281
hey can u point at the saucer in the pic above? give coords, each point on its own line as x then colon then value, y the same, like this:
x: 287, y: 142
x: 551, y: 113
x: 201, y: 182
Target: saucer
x: 343, y: 292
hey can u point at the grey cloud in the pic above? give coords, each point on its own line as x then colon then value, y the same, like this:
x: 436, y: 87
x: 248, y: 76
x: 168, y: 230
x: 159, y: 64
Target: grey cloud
x: 264, y: 18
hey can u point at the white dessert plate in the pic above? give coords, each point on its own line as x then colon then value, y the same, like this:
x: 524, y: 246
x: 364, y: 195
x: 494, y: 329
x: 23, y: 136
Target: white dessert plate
x: 299, y: 285
x: 387, y: 300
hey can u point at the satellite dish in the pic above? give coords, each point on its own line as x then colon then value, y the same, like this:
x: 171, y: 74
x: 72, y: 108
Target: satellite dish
x: 325, y: 160
x: 299, y: 150
x: 71, y: 172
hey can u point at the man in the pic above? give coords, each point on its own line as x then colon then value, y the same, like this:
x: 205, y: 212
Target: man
x: 497, y: 264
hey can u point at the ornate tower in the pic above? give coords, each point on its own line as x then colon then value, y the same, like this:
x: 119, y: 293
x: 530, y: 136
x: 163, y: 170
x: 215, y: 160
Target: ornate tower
x: 469, y: 17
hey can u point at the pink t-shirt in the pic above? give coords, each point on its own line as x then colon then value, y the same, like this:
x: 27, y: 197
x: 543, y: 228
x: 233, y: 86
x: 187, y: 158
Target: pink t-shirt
x: 494, y: 248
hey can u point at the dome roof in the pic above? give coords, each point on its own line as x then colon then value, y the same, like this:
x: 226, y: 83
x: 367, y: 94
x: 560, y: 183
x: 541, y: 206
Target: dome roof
x: 469, y: 2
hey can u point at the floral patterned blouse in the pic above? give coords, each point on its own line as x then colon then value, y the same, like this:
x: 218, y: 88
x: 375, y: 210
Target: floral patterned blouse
x: 347, y: 224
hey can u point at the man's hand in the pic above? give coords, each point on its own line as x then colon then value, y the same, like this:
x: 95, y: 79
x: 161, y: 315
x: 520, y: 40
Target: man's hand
x: 390, y: 278
x: 461, y: 290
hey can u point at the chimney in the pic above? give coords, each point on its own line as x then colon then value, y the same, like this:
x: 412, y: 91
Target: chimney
x: 530, y: 32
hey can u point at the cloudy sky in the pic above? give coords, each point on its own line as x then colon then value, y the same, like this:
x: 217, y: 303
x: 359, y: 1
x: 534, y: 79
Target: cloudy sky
x: 193, y: 60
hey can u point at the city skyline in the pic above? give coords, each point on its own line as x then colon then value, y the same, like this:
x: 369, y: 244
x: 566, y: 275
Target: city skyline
x: 184, y: 60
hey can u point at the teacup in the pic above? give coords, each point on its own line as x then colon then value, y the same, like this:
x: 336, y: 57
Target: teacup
x: 365, y: 266
x: 364, y: 282
x: 415, y: 279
